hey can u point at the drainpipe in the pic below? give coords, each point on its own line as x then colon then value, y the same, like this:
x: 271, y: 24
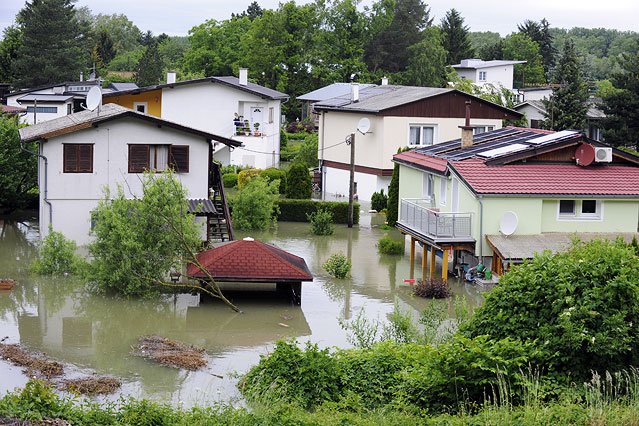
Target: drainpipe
x: 46, y: 167
x: 481, y: 227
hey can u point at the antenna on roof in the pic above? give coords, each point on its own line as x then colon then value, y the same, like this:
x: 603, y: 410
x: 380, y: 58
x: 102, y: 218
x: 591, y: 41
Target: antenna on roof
x: 94, y: 99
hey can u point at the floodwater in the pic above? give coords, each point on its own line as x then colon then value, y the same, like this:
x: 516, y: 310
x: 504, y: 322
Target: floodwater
x: 93, y: 334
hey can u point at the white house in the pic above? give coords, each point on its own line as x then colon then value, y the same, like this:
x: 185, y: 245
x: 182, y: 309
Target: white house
x: 399, y: 116
x: 488, y: 72
x: 210, y: 104
x: 81, y: 154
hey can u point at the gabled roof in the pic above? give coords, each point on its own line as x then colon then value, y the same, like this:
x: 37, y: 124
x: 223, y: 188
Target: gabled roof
x: 45, y: 98
x: 593, y: 112
x: 116, y: 87
x: 50, y: 86
x: 331, y: 91
x: 249, y: 260
x: 477, y: 64
x: 379, y: 98
x: 85, y: 119
x: 230, y: 81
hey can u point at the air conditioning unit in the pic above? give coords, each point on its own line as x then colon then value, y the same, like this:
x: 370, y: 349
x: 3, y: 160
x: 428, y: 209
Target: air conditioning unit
x: 603, y: 155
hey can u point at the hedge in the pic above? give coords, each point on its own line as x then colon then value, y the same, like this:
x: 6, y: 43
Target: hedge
x: 296, y: 210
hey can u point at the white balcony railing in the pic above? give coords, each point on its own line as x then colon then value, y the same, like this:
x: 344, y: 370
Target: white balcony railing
x: 418, y: 215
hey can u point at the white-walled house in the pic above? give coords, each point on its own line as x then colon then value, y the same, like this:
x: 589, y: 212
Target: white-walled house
x: 81, y: 154
x: 399, y: 116
x: 210, y: 104
x: 497, y: 72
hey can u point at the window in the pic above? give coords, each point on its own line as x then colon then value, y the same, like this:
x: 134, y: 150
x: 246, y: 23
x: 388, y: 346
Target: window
x: 77, y: 158
x: 271, y: 114
x: 68, y: 109
x: 158, y: 158
x: 580, y: 210
x: 443, y: 187
x: 482, y: 129
x: 482, y: 75
x: 140, y: 106
x: 45, y: 110
x: 567, y: 207
x: 421, y: 135
x: 589, y: 208
x: 427, y: 185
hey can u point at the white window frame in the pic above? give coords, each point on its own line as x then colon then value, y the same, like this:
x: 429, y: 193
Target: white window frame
x: 578, y: 214
x: 427, y: 186
x: 443, y: 188
x: 144, y: 104
x: 482, y: 74
x: 486, y: 127
x: 421, y: 133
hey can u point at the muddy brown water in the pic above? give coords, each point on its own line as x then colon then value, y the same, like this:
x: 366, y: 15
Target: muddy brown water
x: 93, y: 334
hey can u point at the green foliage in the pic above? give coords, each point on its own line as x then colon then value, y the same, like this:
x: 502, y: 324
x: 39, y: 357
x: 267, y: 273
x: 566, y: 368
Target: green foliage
x: 581, y: 307
x: 455, y: 37
x: 393, y: 194
x: 298, y: 182
x: 18, y: 169
x: 255, y: 207
x: 245, y: 176
x: 386, y: 245
x: 379, y: 201
x: 283, y: 138
x: 9, y: 47
x: 137, y: 242
x: 307, y: 153
x: 519, y: 47
x: 298, y: 210
x: 426, y: 61
x: 272, y: 174
x: 539, y: 32
x: 229, y: 180
x: 35, y: 402
x: 57, y: 256
x: 149, y: 70
x: 321, y: 222
x: 338, y: 265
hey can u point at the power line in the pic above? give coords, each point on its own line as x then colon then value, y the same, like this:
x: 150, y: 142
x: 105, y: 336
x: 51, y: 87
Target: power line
x: 292, y: 153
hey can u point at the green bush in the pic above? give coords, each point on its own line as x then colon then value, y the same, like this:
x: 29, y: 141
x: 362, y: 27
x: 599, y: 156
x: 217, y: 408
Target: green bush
x: 307, y: 153
x: 386, y: 245
x: 379, y: 201
x: 57, y: 256
x: 321, y: 222
x: 245, y: 175
x: 581, y: 307
x: 338, y: 265
x: 229, y: 180
x: 298, y: 182
x: 298, y: 210
x: 255, y: 206
x: 283, y: 138
x: 272, y: 174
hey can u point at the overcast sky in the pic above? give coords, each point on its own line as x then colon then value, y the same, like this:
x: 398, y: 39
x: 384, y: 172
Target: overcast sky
x: 177, y: 17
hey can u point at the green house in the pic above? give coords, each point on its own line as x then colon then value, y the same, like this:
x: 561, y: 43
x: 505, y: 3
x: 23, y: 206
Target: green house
x: 500, y: 196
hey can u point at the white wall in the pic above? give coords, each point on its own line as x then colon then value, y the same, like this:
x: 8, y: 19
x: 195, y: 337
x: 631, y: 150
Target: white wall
x: 337, y: 183
x: 494, y: 75
x: 531, y: 112
x: 74, y: 195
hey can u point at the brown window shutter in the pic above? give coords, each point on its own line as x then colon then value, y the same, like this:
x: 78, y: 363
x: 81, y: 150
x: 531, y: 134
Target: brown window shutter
x: 70, y: 158
x: 138, y: 158
x: 179, y: 158
x: 85, y: 158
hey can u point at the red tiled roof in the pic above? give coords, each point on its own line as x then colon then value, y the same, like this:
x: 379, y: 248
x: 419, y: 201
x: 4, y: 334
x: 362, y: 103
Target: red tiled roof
x: 434, y: 163
x: 245, y: 260
x: 559, y: 179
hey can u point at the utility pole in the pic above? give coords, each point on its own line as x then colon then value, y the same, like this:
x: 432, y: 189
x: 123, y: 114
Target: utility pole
x: 351, y: 191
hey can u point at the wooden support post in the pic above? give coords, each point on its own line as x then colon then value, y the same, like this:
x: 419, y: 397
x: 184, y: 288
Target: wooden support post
x: 494, y: 266
x: 424, y: 261
x: 412, y: 258
x: 433, y: 260
x: 445, y: 265
x: 291, y: 291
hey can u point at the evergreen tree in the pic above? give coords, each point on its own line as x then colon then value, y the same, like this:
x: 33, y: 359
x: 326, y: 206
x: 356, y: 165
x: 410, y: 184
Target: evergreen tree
x: 254, y: 11
x: 455, y: 37
x: 150, y: 67
x: 493, y: 51
x: 427, y: 61
x: 568, y: 106
x: 621, y: 125
x: 539, y: 32
x: 9, y: 46
x: 392, y: 209
x: 51, y: 37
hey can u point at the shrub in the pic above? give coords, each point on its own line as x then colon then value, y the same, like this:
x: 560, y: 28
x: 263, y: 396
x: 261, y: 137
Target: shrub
x: 379, y: 201
x: 298, y: 210
x: 298, y: 182
x: 387, y: 245
x: 385, y: 227
x: 321, y: 222
x: 245, y: 175
x: 580, y: 306
x: 275, y: 174
x: 432, y: 288
x: 229, y: 180
x: 393, y: 194
x: 338, y: 265
x: 230, y: 169
x: 283, y: 138
x: 255, y: 207
x: 300, y: 126
x: 307, y: 153
x: 57, y: 256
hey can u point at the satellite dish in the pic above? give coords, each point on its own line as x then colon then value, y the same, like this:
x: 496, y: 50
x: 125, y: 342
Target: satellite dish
x: 364, y: 126
x: 508, y: 223
x: 94, y: 98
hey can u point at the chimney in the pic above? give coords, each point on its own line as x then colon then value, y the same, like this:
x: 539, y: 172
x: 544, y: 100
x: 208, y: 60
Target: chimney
x: 354, y: 92
x: 170, y: 77
x: 243, y: 76
x: 467, y: 130
x: 384, y: 81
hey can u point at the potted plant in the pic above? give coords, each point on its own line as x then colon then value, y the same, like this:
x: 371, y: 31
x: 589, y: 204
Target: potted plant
x: 257, y: 126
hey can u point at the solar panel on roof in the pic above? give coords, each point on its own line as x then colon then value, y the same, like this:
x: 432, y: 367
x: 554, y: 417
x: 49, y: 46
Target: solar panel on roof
x: 552, y: 137
x: 503, y: 150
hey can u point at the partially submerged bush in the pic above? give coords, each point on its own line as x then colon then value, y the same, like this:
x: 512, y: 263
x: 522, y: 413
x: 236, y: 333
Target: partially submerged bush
x: 255, y: 206
x: 57, y: 256
x: 298, y: 182
x: 298, y: 210
x: 338, y: 265
x: 386, y: 245
x: 432, y: 288
x: 321, y: 222
x: 379, y: 201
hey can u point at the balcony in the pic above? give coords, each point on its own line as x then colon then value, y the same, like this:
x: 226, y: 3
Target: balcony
x: 419, y: 219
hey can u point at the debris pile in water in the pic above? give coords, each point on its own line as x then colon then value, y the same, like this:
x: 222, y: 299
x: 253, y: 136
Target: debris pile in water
x: 170, y: 352
x: 92, y: 385
x: 36, y: 365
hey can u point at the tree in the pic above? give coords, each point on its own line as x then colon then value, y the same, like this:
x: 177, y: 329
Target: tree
x: 149, y: 70
x: 518, y: 47
x: 539, y: 32
x: 298, y: 182
x: 18, y: 169
x: 254, y: 11
x: 455, y: 37
x: 255, y: 206
x: 105, y: 47
x: 427, y: 61
x: 123, y: 32
x: 568, y: 106
x: 621, y: 125
x: 51, y: 37
x: 9, y: 47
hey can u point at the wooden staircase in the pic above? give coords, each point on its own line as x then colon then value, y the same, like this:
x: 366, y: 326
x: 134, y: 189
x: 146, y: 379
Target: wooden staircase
x: 219, y: 227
